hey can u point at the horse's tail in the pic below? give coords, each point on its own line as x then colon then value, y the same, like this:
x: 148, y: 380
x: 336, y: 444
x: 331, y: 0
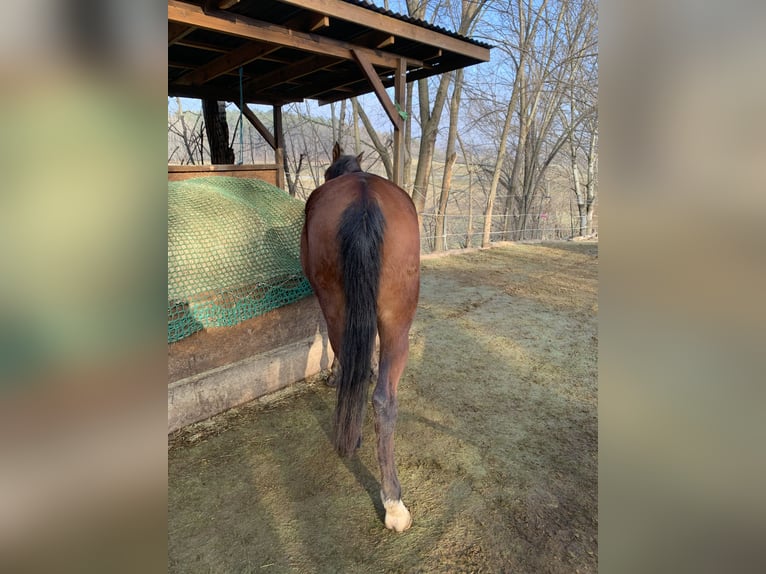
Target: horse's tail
x: 361, y: 237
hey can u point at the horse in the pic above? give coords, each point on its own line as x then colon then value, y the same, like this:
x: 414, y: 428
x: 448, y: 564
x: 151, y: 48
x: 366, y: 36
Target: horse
x: 360, y: 250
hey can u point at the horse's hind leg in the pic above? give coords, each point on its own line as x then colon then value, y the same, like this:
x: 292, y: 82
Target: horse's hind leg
x: 332, y: 378
x: 394, y: 349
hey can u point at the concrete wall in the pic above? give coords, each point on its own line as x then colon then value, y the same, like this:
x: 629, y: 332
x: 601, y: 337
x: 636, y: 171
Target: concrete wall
x: 217, y: 369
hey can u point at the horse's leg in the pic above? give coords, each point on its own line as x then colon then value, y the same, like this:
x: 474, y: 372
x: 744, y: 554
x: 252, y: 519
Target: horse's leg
x: 332, y: 378
x: 333, y: 310
x: 394, y: 348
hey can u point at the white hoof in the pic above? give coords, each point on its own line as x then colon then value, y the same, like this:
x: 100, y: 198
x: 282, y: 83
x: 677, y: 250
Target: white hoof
x: 398, y: 517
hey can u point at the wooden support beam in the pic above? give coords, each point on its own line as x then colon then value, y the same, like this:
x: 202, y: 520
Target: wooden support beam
x: 279, y: 147
x: 350, y: 86
x: 377, y: 85
x: 226, y: 63
x: 201, y: 46
x: 258, y: 125
x: 236, y: 25
x: 387, y: 41
x: 400, y: 80
x: 227, y: 94
x: 318, y: 22
x: 307, y: 22
x: 243, y: 55
x: 360, y: 15
x: 180, y: 65
x: 373, y: 38
x: 177, y: 31
x: 218, y: 4
x: 289, y: 73
x: 239, y: 57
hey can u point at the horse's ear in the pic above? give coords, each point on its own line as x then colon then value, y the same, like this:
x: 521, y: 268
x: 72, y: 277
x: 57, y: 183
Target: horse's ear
x: 337, y: 151
x: 359, y: 159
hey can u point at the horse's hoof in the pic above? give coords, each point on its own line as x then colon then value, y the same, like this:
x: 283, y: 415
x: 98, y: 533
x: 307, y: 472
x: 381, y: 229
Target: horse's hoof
x: 398, y: 518
x: 331, y: 380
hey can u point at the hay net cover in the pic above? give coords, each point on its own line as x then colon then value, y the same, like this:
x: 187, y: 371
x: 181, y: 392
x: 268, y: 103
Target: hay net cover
x: 233, y: 252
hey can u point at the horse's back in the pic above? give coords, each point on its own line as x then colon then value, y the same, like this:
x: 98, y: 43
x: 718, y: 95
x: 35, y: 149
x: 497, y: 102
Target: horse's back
x: 333, y: 197
x: 328, y: 202
x: 400, y: 269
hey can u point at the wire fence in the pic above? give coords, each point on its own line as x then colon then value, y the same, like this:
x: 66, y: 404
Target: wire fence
x: 464, y: 231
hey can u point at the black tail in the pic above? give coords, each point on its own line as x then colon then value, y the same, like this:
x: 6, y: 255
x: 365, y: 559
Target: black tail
x: 361, y: 237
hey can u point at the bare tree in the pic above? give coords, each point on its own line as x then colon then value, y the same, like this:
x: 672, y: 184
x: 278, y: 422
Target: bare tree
x: 546, y: 45
x: 380, y: 147
x: 449, y: 163
x: 525, y: 25
x: 430, y: 115
x: 189, y: 136
x: 582, y: 119
x: 585, y: 192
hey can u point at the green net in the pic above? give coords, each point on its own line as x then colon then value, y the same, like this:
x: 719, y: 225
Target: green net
x: 233, y: 252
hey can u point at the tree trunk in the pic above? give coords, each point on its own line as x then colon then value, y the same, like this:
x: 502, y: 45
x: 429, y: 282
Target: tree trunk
x: 485, y: 239
x: 578, y: 191
x: 355, y: 114
x: 430, y: 116
x: 469, y: 169
x: 186, y: 137
x: 429, y: 122
x: 512, y: 183
x: 408, y: 140
x: 440, y: 242
x: 217, y: 131
x: 385, y: 156
x: 440, y: 239
x: 585, y: 195
x: 590, y: 187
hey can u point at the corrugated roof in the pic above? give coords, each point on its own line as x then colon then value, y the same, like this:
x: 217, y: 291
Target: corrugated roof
x: 416, y: 21
x: 288, y: 54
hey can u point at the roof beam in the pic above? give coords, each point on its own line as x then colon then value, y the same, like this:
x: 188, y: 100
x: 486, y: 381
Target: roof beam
x: 318, y: 22
x: 218, y: 4
x: 344, y: 85
x: 380, y: 91
x: 246, y: 53
x: 234, y: 24
x: 258, y: 125
x: 374, y: 38
x: 226, y: 94
x: 226, y: 63
x: 292, y: 72
x: 201, y: 46
x: 366, y: 17
x: 177, y: 31
x: 387, y: 41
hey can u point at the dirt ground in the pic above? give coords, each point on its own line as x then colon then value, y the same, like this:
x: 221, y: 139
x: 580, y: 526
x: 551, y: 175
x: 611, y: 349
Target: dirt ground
x: 496, y: 441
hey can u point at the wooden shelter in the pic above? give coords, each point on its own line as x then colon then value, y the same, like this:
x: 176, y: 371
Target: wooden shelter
x: 275, y: 52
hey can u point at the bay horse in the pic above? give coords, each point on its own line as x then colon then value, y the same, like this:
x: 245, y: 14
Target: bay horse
x: 360, y: 250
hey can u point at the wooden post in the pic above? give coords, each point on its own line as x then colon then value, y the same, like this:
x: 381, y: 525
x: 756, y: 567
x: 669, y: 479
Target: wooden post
x: 258, y: 125
x: 400, y: 79
x: 279, y: 148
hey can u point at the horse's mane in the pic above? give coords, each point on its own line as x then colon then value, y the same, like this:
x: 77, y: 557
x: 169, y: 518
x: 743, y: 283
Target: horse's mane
x: 341, y: 166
